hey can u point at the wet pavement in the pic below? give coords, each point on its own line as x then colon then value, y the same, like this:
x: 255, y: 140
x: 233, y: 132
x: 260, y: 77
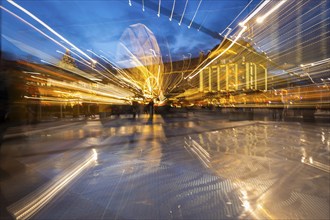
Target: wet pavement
x: 194, y: 166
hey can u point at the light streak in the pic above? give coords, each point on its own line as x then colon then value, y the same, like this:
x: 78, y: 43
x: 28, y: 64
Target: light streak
x: 224, y: 51
x: 106, y: 69
x: 111, y: 91
x: 33, y: 73
x: 202, y: 23
x: 49, y: 28
x: 94, y: 79
x: 283, y: 18
x: 32, y: 203
x: 303, y: 29
x: 262, y: 18
x: 82, y: 74
x: 184, y: 10
x: 159, y: 4
x: 290, y: 50
x: 172, y: 10
x: 266, y: 212
x: 129, y: 3
x: 236, y: 17
x: 254, y: 12
x: 41, y: 32
x: 125, y: 75
x: 242, y: 24
x: 195, y: 13
x: 288, y: 35
x: 142, y: 5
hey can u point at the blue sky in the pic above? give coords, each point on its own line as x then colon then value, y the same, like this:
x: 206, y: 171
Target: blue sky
x: 98, y: 25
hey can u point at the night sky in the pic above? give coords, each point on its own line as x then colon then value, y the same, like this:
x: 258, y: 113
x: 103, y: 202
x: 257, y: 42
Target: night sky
x: 99, y: 25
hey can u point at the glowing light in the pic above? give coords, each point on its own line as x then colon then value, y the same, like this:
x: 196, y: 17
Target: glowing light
x: 94, y: 154
x: 242, y: 24
x: 184, y: 10
x: 49, y: 28
x: 172, y: 10
x: 33, y: 73
x: 262, y: 18
x: 41, y: 32
x: 159, y: 4
x: 192, y: 20
x: 31, y: 204
x: 224, y: 51
x: 237, y: 16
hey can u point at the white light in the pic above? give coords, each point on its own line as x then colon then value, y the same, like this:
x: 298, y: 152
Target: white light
x: 311, y: 159
x: 172, y: 10
x: 160, y: 2
x: 94, y: 154
x: 184, y: 10
x: 242, y: 24
x: 49, y: 28
x: 192, y: 20
x: 262, y: 18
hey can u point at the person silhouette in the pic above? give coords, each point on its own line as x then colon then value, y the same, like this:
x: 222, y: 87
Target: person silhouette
x: 151, y: 108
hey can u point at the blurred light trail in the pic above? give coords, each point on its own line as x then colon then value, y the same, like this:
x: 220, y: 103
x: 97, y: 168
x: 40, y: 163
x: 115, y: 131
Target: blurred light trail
x: 289, y: 36
x: 106, y: 69
x: 195, y: 13
x: 123, y: 73
x: 224, y: 51
x: 32, y: 203
x: 202, y: 23
x: 172, y: 10
x: 236, y: 17
x: 49, y: 28
x: 29, y: 49
x: 263, y: 17
x: 120, y: 71
x: 242, y: 24
x: 41, y: 32
x: 142, y: 5
x: 184, y: 10
x: 100, y: 93
x: 254, y: 12
x: 82, y: 74
x: 160, y: 2
x: 287, y: 24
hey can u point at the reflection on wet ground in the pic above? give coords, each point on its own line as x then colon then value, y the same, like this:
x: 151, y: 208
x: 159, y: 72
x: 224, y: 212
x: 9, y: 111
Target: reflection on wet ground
x: 185, y: 168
